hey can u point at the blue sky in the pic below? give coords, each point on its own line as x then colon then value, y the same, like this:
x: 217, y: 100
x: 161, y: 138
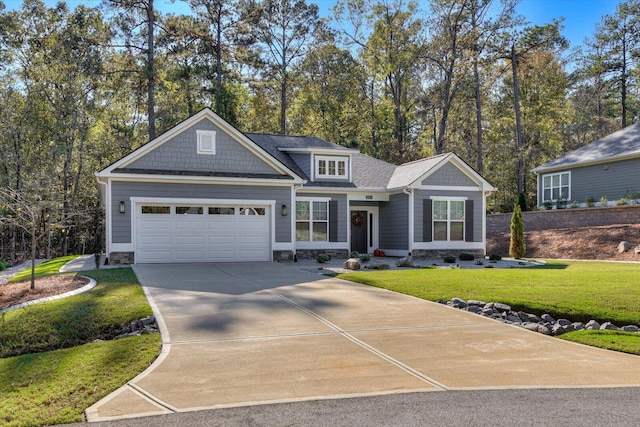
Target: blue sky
x: 580, y: 16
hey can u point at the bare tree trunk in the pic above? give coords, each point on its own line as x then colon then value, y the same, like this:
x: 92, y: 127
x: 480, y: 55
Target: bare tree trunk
x: 219, y: 98
x: 476, y: 78
x: 33, y: 255
x: 151, y: 115
x: 516, y: 105
x: 283, y: 105
x: 623, y: 83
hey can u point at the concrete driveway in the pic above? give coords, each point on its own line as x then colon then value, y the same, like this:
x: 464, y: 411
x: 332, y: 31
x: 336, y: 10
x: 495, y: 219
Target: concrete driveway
x: 245, y: 334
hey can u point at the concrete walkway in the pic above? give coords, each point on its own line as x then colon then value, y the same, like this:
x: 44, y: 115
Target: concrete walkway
x: 246, y: 334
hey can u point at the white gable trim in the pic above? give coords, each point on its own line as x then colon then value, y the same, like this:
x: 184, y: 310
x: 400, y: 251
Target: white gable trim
x: 463, y: 167
x: 206, y: 113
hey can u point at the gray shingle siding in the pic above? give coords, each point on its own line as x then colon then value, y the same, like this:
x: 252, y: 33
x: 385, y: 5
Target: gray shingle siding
x: 619, y: 179
x: 121, y: 223
x: 343, y: 211
x: 420, y: 195
x: 181, y: 153
x: 449, y: 175
x: 394, y: 222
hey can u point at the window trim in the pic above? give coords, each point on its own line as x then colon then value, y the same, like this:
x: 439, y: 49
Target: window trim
x: 448, y: 220
x: 551, y: 175
x: 326, y: 158
x: 201, y: 134
x: 311, y: 221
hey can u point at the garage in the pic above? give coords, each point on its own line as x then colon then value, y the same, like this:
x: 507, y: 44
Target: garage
x: 183, y: 232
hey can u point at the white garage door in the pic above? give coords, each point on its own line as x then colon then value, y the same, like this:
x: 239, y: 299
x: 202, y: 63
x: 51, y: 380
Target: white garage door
x: 188, y: 233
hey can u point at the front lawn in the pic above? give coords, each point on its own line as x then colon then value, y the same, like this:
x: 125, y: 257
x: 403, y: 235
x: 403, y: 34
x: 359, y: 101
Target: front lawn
x: 578, y: 291
x: 50, y: 386
x: 55, y: 387
x: 47, y: 268
x: 116, y: 300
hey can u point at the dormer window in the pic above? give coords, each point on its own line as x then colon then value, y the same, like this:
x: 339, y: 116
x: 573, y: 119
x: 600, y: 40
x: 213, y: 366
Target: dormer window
x: 332, y: 167
x: 206, y: 142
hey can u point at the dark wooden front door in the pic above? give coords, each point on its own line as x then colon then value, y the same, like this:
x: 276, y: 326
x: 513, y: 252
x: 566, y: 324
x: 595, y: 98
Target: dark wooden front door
x: 359, y: 229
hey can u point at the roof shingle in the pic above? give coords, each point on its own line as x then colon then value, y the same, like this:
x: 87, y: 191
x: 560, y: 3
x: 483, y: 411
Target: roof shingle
x: 623, y: 143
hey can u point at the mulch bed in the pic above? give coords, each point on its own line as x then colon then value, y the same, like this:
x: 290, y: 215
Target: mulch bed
x: 17, y: 293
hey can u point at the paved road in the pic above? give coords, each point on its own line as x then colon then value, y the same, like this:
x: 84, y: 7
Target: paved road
x: 264, y: 333
x: 492, y: 408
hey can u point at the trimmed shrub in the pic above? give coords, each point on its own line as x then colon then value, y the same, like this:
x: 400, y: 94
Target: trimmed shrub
x: 322, y: 258
x: 495, y: 257
x: 354, y: 254
x: 365, y: 257
x: 589, y: 201
x: 466, y: 257
x: 449, y: 259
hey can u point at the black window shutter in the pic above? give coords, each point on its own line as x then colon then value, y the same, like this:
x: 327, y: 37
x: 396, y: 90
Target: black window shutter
x: 427, y: 216
x: 333, y: 220
x: 468, y: 221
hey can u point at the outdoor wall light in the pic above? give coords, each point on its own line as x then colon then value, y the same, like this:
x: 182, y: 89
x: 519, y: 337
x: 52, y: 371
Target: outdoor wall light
x: 284, y: 211
x: 122, y: 206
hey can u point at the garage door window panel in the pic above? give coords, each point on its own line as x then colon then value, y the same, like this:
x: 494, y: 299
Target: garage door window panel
x: 253, y: 211
x: 156, y: 210
x: 189, y: 210
x: 222, y: 211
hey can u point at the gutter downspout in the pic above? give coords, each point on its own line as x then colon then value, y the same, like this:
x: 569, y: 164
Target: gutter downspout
x: 409, y: 192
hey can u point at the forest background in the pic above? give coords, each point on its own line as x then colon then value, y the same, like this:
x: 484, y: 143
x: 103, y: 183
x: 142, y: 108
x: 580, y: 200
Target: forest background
x: 398, y: 79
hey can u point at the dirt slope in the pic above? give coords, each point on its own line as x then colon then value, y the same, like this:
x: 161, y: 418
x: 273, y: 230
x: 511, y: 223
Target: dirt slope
x: 573, y: 243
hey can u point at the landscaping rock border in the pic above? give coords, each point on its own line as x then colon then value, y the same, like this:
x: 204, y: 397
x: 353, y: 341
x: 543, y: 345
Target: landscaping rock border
x: 544, y: 324
x: 146, y: 325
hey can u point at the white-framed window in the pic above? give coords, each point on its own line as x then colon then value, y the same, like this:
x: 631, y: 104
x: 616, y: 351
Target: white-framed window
x: 312, y: 220
x: 206, y: 142
x: 556, y: 186
x: 448, y: 219
x: 335, y: 167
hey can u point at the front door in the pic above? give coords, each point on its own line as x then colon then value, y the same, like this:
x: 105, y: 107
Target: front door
x: 359, y: 227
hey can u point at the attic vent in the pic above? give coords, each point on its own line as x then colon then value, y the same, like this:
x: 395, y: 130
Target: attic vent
x: 206, y: 142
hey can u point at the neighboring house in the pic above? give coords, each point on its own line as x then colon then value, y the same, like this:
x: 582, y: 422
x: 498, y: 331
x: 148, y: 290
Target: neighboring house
x: 607, y: 168
x: 203, y: 191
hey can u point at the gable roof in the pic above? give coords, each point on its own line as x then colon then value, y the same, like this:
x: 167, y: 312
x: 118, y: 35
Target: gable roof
x: 368, y: 173
x: 205, y: 113
x: 273, y: 144
x: 408, y: 173
x: 619, y: 145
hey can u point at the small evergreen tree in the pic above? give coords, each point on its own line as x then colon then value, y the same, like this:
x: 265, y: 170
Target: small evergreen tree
x: 517, y: 246
x: 522, y: 202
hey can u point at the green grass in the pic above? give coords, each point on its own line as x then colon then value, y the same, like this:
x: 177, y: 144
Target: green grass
x: 578, y: 291
x: 67, y: 322
x: 627, y: 342
x: 55, y: 387
x: 47, y: 268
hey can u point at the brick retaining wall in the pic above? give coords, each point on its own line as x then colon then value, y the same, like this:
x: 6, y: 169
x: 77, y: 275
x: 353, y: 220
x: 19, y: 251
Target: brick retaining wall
x: 567, y: 218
